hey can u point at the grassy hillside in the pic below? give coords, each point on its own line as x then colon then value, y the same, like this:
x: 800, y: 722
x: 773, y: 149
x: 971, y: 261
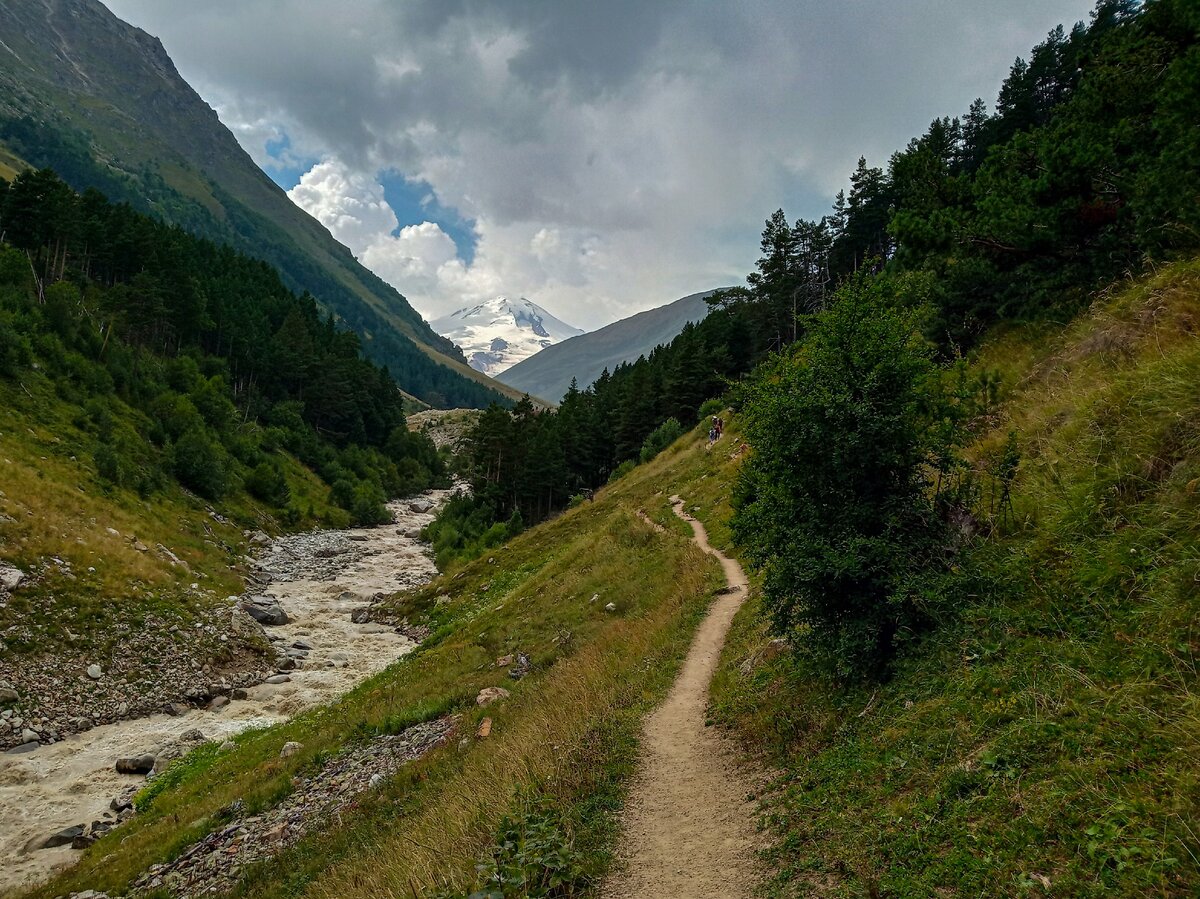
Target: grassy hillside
x: 101, y: 102
x: 565, y: 740
x: 1044, y: 742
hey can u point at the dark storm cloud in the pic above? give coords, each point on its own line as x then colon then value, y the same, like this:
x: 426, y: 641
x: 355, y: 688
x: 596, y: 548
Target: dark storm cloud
x: 643, y: 141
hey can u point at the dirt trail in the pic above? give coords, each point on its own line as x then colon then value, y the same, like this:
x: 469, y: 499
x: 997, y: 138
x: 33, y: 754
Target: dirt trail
x: 688, y: 828
x: 72, y: 782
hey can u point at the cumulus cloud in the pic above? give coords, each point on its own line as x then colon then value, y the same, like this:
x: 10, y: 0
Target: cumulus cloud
x: 613, y: 156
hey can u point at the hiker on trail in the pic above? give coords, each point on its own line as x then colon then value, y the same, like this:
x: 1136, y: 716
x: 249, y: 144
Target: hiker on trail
x: 712, y: 435
x: 720, y: 427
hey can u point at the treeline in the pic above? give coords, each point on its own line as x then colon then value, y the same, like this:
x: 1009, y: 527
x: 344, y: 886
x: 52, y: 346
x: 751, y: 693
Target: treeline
x: 47, y: 142
x: 1085, y: 168
x: 190, y: 360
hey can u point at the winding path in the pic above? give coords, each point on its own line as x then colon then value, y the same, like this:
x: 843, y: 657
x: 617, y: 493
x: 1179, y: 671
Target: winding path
x: 688, y: 827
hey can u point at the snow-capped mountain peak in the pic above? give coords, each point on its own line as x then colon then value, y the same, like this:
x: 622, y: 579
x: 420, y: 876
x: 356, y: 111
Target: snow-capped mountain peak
x: 501, y: 332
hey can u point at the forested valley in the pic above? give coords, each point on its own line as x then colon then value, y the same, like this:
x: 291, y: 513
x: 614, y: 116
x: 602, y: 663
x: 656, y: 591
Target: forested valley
x: 190, y: 361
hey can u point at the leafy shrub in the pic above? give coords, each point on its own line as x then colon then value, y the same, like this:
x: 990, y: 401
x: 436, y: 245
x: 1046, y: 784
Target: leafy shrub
x: 621, y: 470
x: 534, y: 857
x: 660, y: 438
x: 833, y: 506
x: 709, y: 408
x: 200, y: 464
x: 267, y: 482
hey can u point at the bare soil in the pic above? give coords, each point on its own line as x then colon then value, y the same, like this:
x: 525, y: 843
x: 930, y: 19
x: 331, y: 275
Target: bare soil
x: 688, y: 827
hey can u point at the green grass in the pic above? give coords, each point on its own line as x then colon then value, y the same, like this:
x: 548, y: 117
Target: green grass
x: 60, y: 509
x: 1045, y: 741
x: 567, y: 734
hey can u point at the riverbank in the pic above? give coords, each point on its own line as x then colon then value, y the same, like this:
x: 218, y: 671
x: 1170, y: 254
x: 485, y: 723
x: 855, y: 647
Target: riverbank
x: 320, y: 579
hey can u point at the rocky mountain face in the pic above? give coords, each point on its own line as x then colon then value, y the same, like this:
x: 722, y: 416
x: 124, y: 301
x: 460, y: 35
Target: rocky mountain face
x: 549, y: 373
x: 500, y: 333
x: 101, y: 102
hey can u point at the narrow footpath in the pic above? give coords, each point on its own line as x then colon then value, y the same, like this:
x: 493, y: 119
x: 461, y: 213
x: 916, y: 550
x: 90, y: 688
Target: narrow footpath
x: 688, y: 827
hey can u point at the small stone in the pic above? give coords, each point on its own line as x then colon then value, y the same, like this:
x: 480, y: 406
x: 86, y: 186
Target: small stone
x: 218, y: 703
x: 485, y: 729
x: 95, y: 672
x: 375, y: 629
x: 361, y: 615
x: 30, y: 736
x: 140, y: 764
x: 611, y: 607
x: 239, y: 693
x: 227, y: 746
x: 175, y: 709
x: 300, y: 644
x: 140, y: 546
x: 120, y: 804
x: 277, y: 679
x: 10, y: 578
x: 7, y: 694
x: 112, y: 532
x: 504, y: 661
x: 289, y: 749
x: 488, y: 695
x: 376, y: 781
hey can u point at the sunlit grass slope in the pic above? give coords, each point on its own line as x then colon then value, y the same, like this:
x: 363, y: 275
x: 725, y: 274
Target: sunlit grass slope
x: 57, y: 510
x: 1045, y: 742
x: 567, y: 733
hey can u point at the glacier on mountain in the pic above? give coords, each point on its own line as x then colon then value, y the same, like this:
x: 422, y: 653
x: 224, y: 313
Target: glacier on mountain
x: 501, y: 332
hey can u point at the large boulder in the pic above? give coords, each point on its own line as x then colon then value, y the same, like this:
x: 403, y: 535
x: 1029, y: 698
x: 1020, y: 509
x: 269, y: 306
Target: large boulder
x: 139, y: 764
x: 10, y: 578
x: 64, y: 837
x: 420, y: 506
x: 265, y: 611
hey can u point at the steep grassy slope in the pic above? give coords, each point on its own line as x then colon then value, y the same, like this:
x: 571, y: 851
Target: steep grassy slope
x: 1045, y: 742
x: 102, y: 103
x: 56, y: 513
x: 567, y: 733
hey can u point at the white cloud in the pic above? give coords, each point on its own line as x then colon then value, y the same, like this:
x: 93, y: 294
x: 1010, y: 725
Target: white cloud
x: 613, y: 156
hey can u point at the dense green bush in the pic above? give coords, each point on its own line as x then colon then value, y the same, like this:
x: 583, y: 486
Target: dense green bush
x: 660, y: 438
x: 200, y: 464
x: 267, y: 482
x: 833, y: 505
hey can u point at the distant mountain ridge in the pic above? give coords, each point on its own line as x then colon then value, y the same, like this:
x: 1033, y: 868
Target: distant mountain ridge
x: 101, y: 102
x: 502, y: 332
x: 548, y: 374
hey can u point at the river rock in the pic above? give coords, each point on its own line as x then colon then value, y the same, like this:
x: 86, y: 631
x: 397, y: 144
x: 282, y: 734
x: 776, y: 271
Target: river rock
x: 64, y: 837
x: 420, y: 506
x: 300, y: 644
x: 277, y: 679
x: 375, y: 629
x: 361, y: 615
x: 29, y: 736
x: 218, y: 703
x: 175, y: 709
x: 488, y: 695
x: 139, y: 764
x: 265, y: 611
x: 23, y: 748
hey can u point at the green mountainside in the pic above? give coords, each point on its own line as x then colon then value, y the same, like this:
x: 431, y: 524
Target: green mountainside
x: 100, y: 102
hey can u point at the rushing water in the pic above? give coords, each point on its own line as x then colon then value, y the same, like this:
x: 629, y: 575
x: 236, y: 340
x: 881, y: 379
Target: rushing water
x: 73, y: 781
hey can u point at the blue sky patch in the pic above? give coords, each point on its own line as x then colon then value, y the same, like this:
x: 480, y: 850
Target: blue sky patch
x: 415, y: 202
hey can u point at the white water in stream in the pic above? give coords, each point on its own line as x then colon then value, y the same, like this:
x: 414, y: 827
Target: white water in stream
x: 73, y: 781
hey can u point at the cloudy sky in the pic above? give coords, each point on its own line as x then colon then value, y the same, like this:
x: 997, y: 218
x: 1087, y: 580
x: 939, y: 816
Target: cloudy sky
x: 597, y: 157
